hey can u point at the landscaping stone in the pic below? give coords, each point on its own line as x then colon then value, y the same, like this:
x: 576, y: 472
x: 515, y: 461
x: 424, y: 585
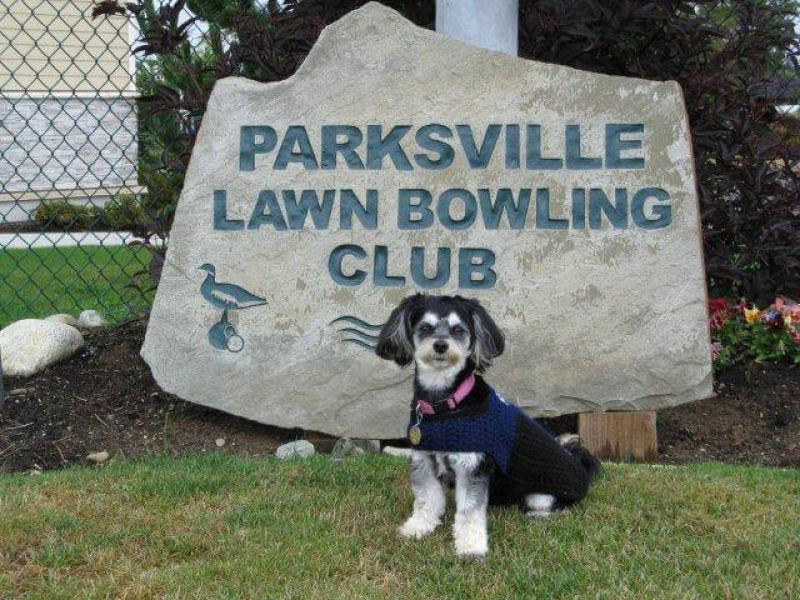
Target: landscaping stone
x: 268, y: 310
x: 298, y: 449
x: 219, y: 442
x: 92, y: 318
x: 19, y: 392
x: 98, y: 457
x: 345, y: 447
x: 368, y: 446
x: 395, y: 451
x: 31, y: 345
x: 63, y: 318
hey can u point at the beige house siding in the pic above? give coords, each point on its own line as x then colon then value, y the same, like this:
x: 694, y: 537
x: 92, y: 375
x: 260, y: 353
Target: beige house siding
x: 54, y: 46
x: 68, y: 123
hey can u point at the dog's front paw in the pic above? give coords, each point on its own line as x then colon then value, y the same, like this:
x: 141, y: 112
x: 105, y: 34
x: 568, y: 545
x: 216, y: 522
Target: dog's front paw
x: 472, y: 541
x: 416, y: 528
x: 472, y: 552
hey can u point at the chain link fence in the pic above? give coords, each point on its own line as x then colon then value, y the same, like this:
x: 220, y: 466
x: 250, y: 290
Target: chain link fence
x: 69, y: 148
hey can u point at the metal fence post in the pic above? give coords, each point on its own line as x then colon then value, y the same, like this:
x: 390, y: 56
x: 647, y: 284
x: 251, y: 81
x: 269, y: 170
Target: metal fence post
x: 490, y: 24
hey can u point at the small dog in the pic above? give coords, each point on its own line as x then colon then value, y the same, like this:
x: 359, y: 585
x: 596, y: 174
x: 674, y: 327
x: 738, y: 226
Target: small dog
x: 464, y: 433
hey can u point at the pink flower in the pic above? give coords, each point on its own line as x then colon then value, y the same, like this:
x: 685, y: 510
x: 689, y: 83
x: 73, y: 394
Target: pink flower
x: 787, y: 309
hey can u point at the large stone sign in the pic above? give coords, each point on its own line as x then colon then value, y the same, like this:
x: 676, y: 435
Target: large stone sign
x: 397, y: 160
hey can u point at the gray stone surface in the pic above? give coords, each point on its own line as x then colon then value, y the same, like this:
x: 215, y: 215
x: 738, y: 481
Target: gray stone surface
x: 595, y: 319
x: 91, y: 318
x: 345, y: 447
x: 298, y: 449
x: 63, y: 318
x: 31, y: 345
x: 399, y: 452
x: 368, y: 446
x: 98, y: 457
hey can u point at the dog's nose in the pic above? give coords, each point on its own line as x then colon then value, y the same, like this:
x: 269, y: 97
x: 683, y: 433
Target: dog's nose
x: 440, y: 347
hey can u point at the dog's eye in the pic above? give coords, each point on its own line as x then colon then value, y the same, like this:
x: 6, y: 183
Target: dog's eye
x: 425, y: 329
x: 458, y: 330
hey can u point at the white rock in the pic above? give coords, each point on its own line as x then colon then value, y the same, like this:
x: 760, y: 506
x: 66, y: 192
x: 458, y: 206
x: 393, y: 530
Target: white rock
x: 31, y: 345
x: 92, y: 318
x: 98, y: 457
x: 346, y: 447
x: 395, y: 451
x: 63, y: 318
x: 368, y: 446
x: 220, y: 442
x: 298, y: 449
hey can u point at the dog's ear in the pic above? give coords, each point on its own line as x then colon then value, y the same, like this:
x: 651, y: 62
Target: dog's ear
x: 395, y: 341
x: 489, y: 342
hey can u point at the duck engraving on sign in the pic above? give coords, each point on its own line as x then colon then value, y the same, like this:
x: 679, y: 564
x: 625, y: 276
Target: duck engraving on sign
x: 226, y: 297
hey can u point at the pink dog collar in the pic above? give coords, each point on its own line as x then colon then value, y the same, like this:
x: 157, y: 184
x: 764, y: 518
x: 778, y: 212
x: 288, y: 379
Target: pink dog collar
x: 462, y: 391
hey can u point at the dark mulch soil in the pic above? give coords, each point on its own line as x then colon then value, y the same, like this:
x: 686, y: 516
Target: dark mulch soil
x: 105, y: 399
x: 755, y: 418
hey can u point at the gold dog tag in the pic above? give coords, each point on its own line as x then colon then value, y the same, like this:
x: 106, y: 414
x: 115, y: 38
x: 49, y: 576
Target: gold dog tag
x: 414, y: 435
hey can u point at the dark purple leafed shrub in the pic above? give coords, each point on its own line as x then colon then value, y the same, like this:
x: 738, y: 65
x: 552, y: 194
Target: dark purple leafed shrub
x: 736, y: 61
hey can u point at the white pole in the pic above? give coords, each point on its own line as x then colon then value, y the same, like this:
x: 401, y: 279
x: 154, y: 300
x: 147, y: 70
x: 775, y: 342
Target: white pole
x: 491, y: 24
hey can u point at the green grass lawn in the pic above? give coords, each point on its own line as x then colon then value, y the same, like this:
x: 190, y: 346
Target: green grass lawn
x: 44, y: 281
x: 222, y: 527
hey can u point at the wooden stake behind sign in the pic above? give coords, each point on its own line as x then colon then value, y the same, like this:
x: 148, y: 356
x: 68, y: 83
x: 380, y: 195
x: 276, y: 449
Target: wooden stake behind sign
x: 627, y: 436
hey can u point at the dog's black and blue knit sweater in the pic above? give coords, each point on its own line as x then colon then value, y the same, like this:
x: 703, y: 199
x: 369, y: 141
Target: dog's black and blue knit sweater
x: 527, y: 458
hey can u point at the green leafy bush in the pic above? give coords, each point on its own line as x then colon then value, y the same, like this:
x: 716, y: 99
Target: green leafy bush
x: 124, y: 212
x: 60, y: 214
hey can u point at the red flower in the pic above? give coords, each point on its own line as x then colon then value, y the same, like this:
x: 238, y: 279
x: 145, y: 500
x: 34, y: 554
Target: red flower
x: 719, y: 312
